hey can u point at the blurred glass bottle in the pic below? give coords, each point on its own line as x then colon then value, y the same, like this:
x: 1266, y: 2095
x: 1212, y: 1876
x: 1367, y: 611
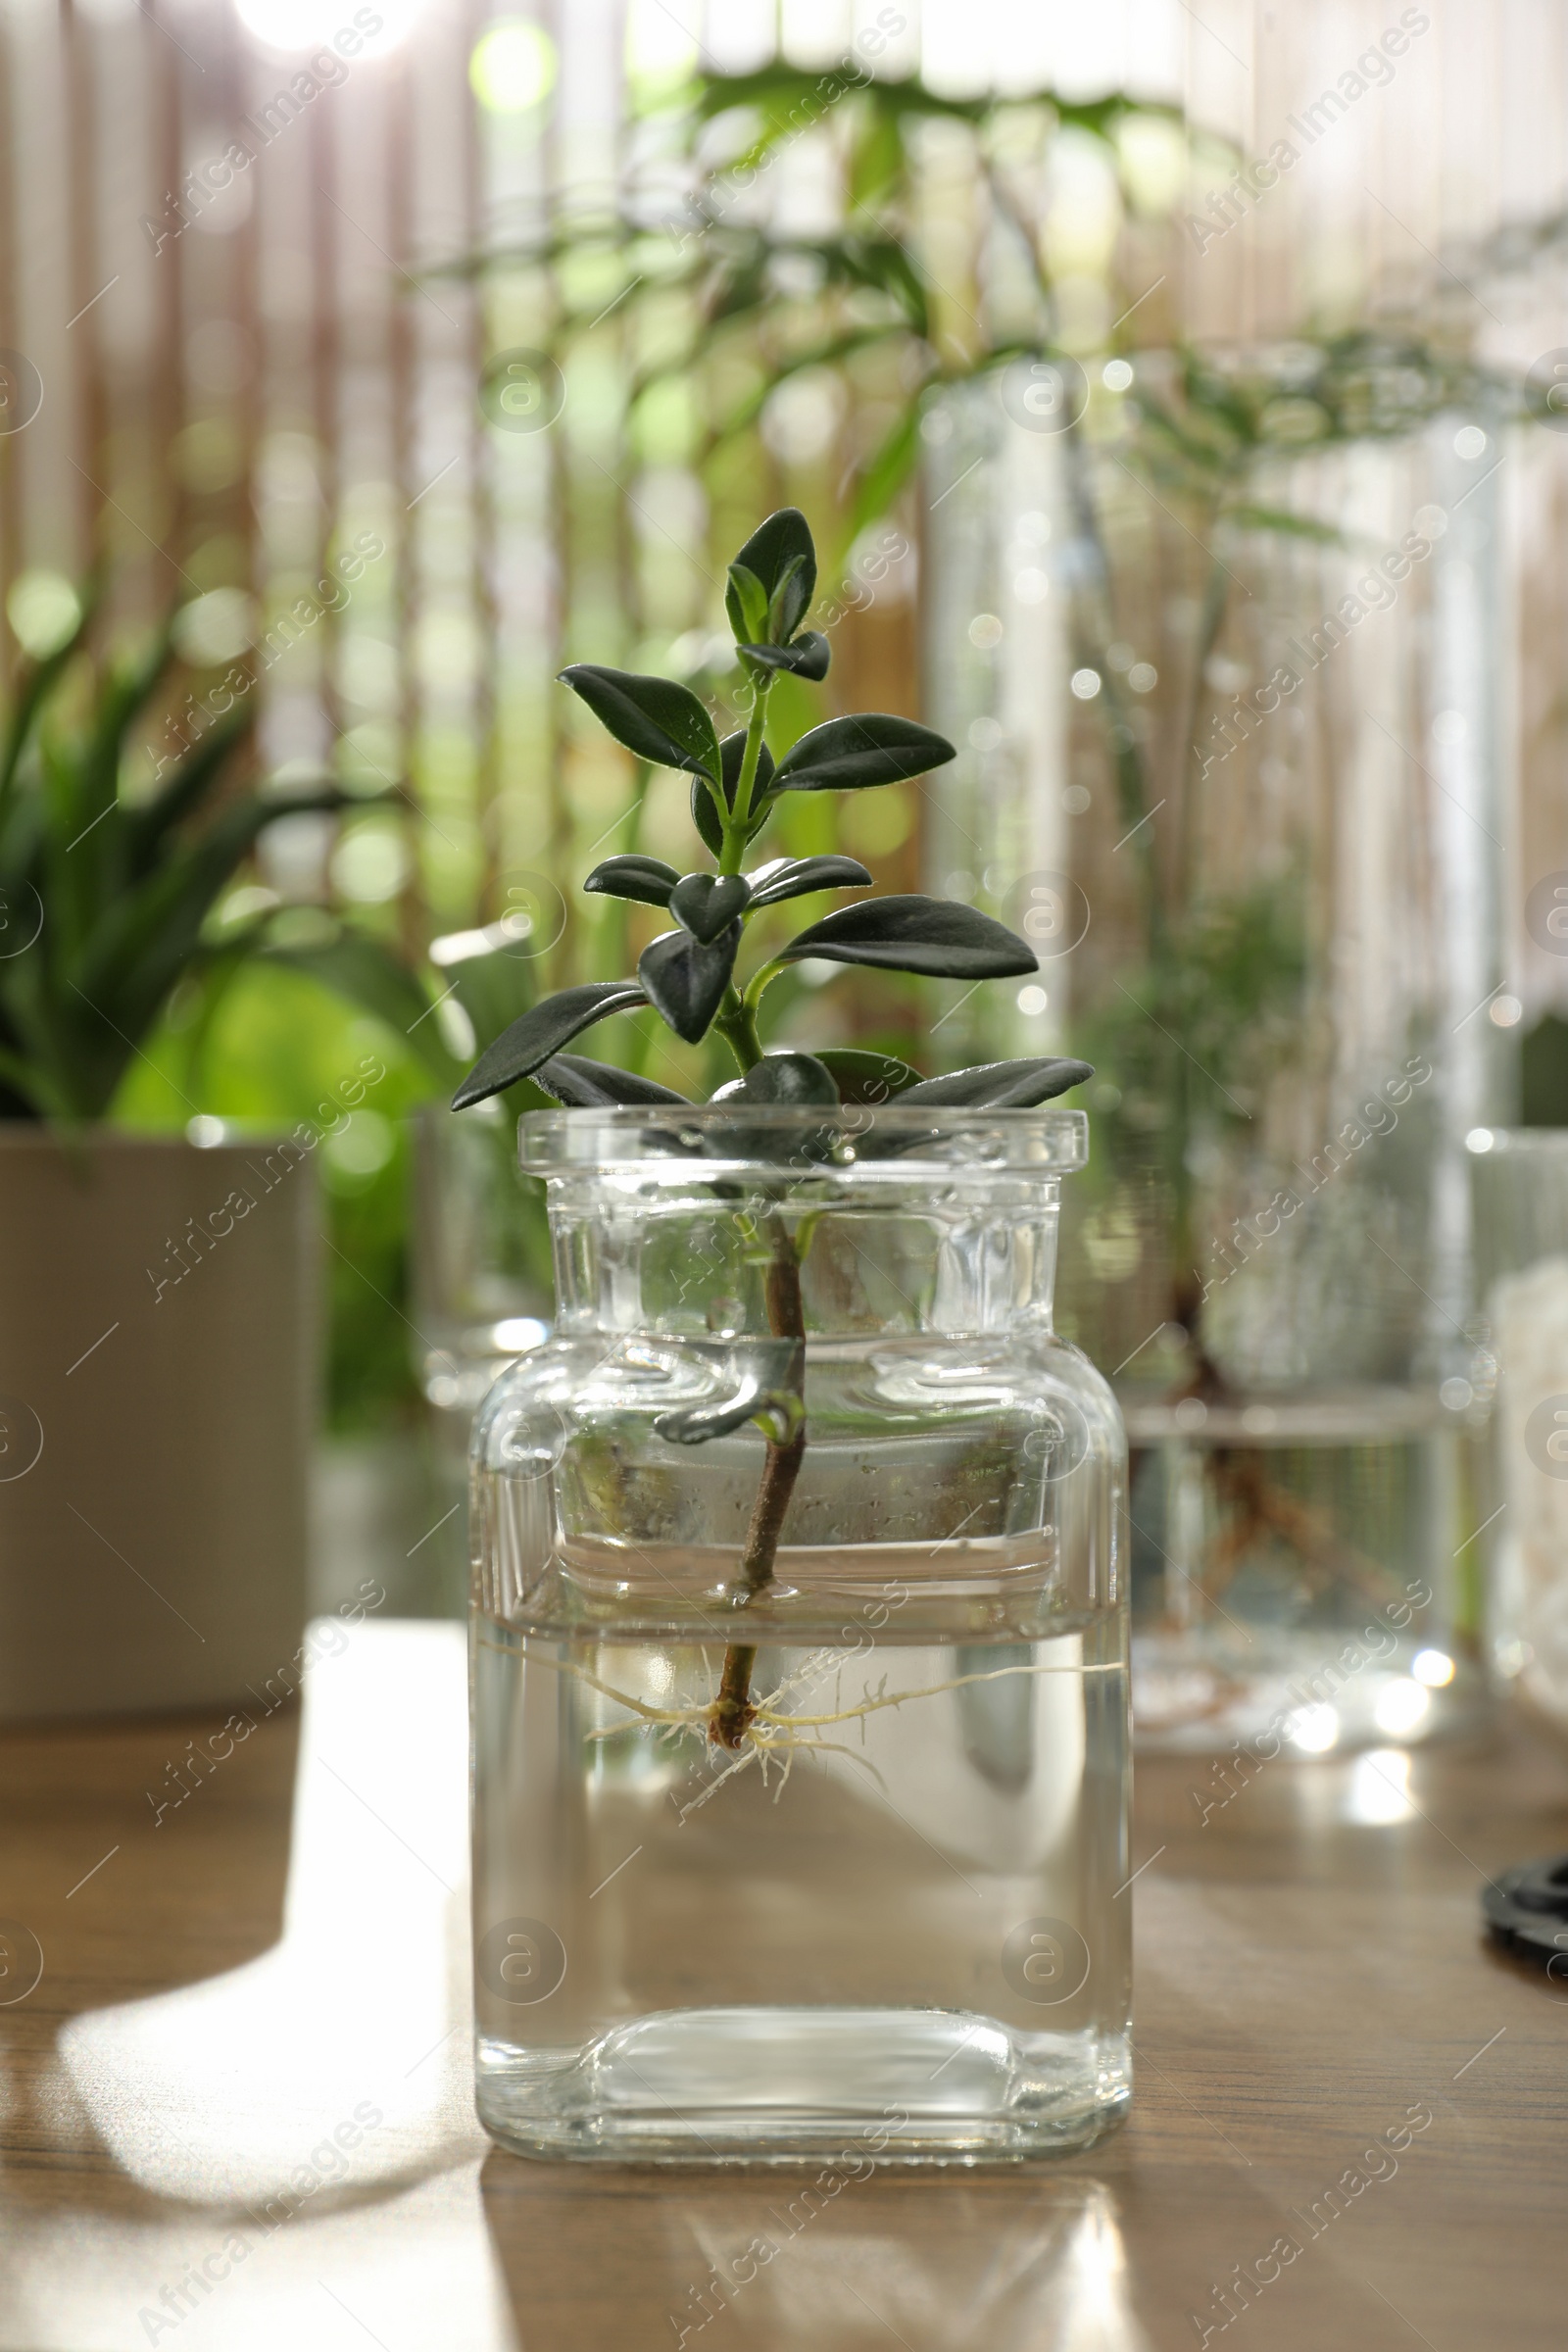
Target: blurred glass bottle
x: 1219, y: 640
x: 480, y: 1284
x: 1519, y: 1182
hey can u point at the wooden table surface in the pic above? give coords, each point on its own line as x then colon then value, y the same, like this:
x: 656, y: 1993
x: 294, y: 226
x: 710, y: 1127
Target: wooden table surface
x: 234, y: 2109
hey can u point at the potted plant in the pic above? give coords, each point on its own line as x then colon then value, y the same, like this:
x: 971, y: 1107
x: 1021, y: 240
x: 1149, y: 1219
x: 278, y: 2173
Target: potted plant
x: 799, y: 1638
x: 156, y: 1339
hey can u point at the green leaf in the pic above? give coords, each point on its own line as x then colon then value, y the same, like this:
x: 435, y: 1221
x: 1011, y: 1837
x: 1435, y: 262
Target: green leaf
x: 655, y: 718
x: 685, y: 978
x: 807, y: 657
x: 940, y: 936
x: 846, y: 755
x: 705, y: 904
x: 147, y: 826
x: 746, y: 602
x: 780, y: 553
x: 364, y: 974
x: 867, y: 1077
x: 891, y: 466
x: 597, y: 1085
x: 542, y: 1032
x: 784, y: 1079
x: 1002, y: 1085
x: 35, y: 684
x: 649, y: 880
x: 705, y: 816
x: 798, y: 877
x: 147, y: 935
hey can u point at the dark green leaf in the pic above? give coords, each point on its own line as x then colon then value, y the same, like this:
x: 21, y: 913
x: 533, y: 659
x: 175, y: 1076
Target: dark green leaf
x: 541, y: 1032
x: 1002, y: 1085
x: 705, y: 816
x: 940, y: 936
x: 195, y: 776
x: 848, y: 754
x: 807, y: 658
x: 685, y: 979
x: 785, y: 1079
x: 886, y: 474
x: 707, y: 904
x: 647, y: 879
x: 597, y: 1085
x: 746, y: 602
x: 654, y: 718
x: 798, y: 877
x: 866, y: 1077
x: 780, y: 554
x: 35, y: 684
x: 147, y: 935
x: 128, y: 688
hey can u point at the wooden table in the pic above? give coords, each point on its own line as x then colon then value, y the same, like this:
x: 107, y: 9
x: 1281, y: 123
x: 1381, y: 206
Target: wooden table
x: 234, y: 2109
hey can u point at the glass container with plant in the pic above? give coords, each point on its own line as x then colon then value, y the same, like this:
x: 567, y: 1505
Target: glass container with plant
x: 798, y: 1633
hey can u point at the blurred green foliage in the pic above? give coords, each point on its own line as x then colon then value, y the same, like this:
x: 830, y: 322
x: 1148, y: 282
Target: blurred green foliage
x: 269, y: 1048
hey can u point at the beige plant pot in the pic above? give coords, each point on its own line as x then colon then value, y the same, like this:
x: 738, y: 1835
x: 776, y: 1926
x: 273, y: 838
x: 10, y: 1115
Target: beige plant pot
x: 157, y: 1405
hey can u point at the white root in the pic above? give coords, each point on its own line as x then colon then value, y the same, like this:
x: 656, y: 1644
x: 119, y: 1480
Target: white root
x: 776, y: 1730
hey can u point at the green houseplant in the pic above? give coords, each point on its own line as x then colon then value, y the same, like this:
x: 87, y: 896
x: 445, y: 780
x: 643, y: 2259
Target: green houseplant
x: 804, y: 1371
x: 156, y: 1357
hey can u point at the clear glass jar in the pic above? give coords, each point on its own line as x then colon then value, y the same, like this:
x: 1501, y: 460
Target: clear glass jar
x: 841, y: 1863
x: 1236, y: 768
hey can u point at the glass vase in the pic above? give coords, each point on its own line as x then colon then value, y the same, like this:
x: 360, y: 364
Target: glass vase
x: 1519, y: 1181
x: 1234, y: 765
x: 798, y: 1650
x: 480, y: 1269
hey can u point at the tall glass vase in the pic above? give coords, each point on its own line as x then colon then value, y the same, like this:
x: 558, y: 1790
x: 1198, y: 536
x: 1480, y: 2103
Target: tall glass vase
x: 799, y: 1655
x: 1230, y: 754
x: 1520, y: 1187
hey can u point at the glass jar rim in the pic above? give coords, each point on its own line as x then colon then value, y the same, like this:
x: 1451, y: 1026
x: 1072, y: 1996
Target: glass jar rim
x: 889, y: 1140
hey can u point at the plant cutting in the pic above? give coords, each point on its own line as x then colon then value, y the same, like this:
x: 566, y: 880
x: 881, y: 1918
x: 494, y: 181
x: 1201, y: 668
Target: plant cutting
x: 689, y: 974
x: 803, y: 1371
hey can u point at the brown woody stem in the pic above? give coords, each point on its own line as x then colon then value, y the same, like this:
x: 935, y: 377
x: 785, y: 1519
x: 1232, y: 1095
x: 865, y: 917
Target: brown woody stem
x: 732, y: 1710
